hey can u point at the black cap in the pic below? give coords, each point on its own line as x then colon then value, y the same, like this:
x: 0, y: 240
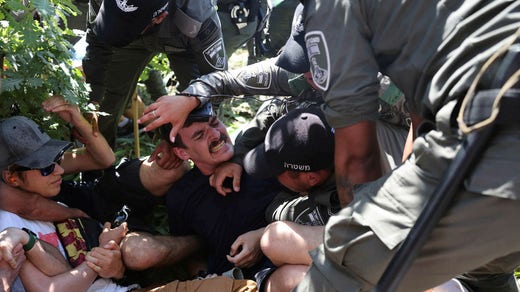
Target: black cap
x: 200, y: 114
x: 119, y: 22
x: 299, y: 141
x: 294, y: 54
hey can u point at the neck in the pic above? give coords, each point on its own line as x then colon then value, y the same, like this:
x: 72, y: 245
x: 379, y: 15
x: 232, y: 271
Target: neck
x: 6, y: 189
x: 206, y: 169
x: 14, y: 199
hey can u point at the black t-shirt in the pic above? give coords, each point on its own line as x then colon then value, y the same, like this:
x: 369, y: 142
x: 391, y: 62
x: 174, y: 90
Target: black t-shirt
x: 194, y: 207
x: 118, y: 186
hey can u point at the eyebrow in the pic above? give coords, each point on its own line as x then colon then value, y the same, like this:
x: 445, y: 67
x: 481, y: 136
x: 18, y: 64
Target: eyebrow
x: 197, y: 133
x: 211, y: 121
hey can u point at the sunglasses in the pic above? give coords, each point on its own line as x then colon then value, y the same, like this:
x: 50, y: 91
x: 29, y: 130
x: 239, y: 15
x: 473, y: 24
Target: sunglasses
x: 45, y: 171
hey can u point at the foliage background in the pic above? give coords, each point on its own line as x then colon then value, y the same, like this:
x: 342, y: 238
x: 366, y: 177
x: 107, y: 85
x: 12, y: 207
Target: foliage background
x: 36, y: 59
x: 36, y: 56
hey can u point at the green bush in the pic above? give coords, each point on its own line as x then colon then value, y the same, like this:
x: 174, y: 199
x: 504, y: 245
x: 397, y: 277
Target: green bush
x: 36, y: 59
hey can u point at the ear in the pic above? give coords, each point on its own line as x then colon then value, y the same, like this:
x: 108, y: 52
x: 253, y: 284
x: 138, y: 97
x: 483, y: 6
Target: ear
x: 313, y: 178
x: 181, y: 153
x: 9, y: 178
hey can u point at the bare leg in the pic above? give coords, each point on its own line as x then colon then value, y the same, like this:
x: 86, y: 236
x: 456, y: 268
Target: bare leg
x: 289, y: 243
x: 141, y: 250
x: 285, y: 278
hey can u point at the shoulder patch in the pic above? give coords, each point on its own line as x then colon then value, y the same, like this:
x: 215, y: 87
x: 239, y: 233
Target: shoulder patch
x: 125, y: 7
x: 255, y: 80
x: 215, y: 55
x: 319, y: 58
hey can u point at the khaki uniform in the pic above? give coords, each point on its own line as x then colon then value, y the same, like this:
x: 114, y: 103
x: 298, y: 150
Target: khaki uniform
x: 432, y: 50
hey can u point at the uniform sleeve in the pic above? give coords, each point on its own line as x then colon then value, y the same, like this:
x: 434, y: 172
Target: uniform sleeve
x: 263, y: 78
x: 342, y: 64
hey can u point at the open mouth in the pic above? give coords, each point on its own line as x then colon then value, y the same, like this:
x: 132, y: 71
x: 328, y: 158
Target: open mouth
x: 217, y: 145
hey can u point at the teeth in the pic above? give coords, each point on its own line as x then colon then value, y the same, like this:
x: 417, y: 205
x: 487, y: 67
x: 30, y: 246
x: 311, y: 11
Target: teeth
x: 217, y: 147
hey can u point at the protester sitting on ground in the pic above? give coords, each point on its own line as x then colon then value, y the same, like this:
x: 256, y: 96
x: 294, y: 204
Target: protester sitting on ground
x: 136, y: 182
x: 230, y: 226
x: 96, y: 258
x: 31, y: 163
x: 96, y: 154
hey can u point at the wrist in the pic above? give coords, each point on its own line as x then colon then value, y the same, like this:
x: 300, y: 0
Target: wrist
x: 32, y: 240
x: 195, y: 100
x: 198, y: 101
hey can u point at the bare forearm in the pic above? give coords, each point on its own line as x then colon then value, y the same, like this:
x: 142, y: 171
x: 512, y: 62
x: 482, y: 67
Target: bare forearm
x: 96, y: 145
x: 158, y: 180
x: 47, y: 259
x: 359, y: 170
x: 356, y: 158
x: 350, y: 172
x: 78, y: 279
x: 34, y: 207
x: 100, y: 155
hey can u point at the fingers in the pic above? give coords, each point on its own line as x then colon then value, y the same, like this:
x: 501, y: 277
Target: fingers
x: 106, y: 262
x: 19, y: 255
x: 164, y: 157
x: 111, y: 245
x: 56, y: 104
x: 123, y: 229
x: 94, y: 267
x: 154, y: 154
x: 236, y: 183
x: 18, y: 249
x: 223, y: 190
x: 238, y: 259
x: 52, y: 102
x: 10, y: 259
x: 236, y: 247
x: 93, y: 262
x: 150, y: 115
x: 216, y: 182
x: 177, y: 162
x: 173, y: 134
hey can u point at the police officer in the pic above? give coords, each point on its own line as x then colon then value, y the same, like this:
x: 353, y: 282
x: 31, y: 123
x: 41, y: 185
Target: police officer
x: 433, y: 51
x: 241, y: 20
x: 123, y: 36
x: 285, y: 76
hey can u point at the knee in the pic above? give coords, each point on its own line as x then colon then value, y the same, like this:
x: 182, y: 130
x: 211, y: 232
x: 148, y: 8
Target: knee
x: 285, y: 278
x: 272, y: 238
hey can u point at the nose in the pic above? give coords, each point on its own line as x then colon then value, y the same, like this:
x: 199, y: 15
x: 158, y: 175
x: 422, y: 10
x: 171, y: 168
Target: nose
x: 58, y: 169
x: 213, y: 132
